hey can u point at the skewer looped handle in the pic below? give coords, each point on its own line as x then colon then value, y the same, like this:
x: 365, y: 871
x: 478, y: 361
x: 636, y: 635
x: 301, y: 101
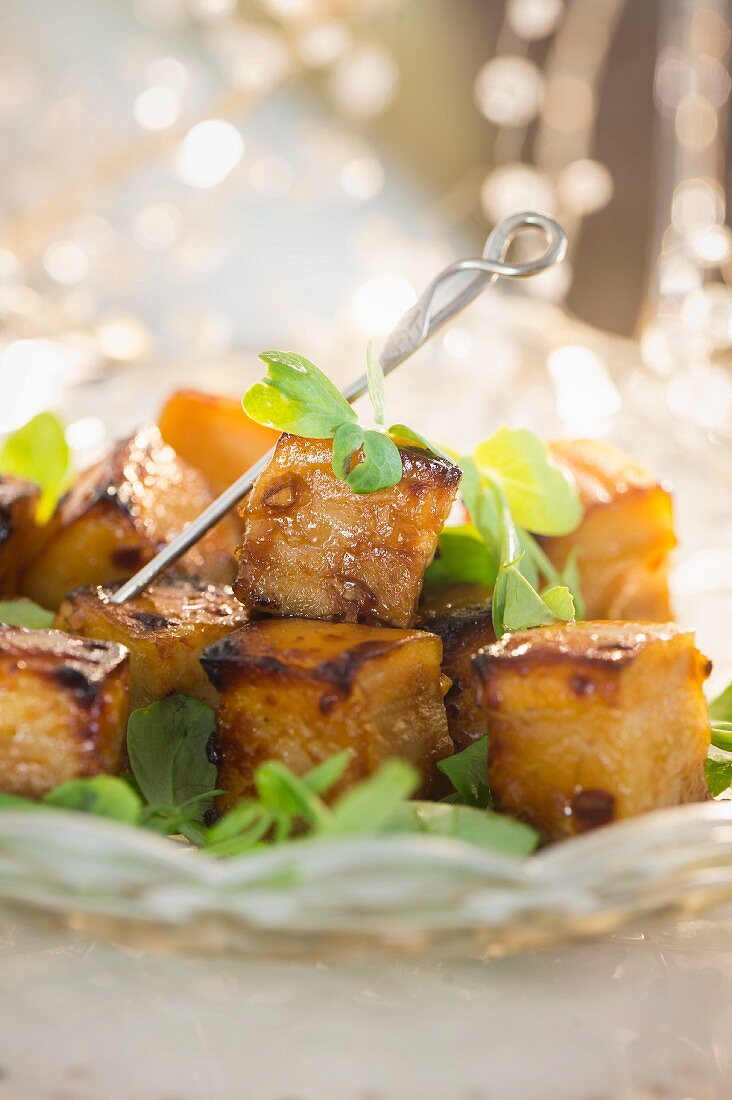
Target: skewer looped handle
x: 416, y: 327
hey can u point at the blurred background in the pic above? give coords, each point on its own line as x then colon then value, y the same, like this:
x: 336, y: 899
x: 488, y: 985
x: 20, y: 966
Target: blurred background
x: 185, y: 182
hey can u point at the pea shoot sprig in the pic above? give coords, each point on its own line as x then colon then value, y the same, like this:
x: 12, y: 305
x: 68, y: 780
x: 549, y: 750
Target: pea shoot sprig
x: 513, y: 490
x: 511, y: 487
x: 38, y: 452
x: 296, y: 397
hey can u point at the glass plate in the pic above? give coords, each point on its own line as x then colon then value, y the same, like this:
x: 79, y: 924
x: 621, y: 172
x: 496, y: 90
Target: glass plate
x: 410, y: 894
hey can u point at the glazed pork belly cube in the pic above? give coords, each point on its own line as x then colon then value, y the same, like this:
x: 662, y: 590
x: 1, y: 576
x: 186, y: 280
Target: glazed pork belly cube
x: 593, y: 722
x: 18, y: 529
x: 300, y: 691
x: 165, y: 629
x: 120, y: 514
x: 312, y: 548
x: 625, y: 537
x: 461, y: 616
x: 63, y: 709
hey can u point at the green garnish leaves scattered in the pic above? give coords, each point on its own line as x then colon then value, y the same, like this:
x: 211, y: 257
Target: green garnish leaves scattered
x: 722, y: 735
x: 370, y: 806
x: 375, y: 380
x: 347, y: 442
x: 39, y: 453
x: 103, y: 795
x: 406, y: 437
x: 516, y: 603
x: 719, y: 769
x: 480, y: 827
x: 719, y: 775
x: 295, y: 396
x: 167, y: 744
x: 720, y: 708
x: 25, y: 613
x: 468, y: 773
x: 462, y: 556
x: 379, y: 468
x: 540, y: 495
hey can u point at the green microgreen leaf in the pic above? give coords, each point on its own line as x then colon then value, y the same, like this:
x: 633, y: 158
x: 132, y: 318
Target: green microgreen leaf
x: 483, y: 828
x: 560, y: 603
x: 380, y: 467
x: 461, y: 556
x: 368, y: 806
x: 25, y: 613
x: 39, y: 453
x: 516, y: 603
x: 284, y: 793
x: 347, y: 442
x: 543, y: 567
x: 297, y: 397
x: 468, y: 773
x: 16, y: 802
x: 407, y: 437
x: 321, y: 778
x: 540, y: 495
x: 722, y: 735
x: 482, y: 504
x: 720, y: 708
x: 102, y: 795
x: 375, y: 380
x: 167, y: 745
x: 719, y: 775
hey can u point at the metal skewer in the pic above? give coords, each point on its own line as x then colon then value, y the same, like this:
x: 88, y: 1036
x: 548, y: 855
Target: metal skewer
x: 413, y: 330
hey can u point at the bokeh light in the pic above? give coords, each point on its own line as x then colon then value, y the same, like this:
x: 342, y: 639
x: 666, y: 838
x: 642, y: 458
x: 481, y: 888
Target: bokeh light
x: 509, y: 89
x: 211, y: 151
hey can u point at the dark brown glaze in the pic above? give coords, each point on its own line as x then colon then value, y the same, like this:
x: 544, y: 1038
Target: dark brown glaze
x: 81, y: 665
x: 6, y: 523
x: 171, y: 602
x: 597, y: 645
x: 314, y: 549
x: 130, y: 558
x: 331, y: 653
x: 592, y: 808
x: 120, y: 513
x: 149, y: 621
x: 463, y: 630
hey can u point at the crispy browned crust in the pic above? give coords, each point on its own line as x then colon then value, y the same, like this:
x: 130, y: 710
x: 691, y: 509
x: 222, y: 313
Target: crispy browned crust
x: 329, y: 653
x: 604, y: 644
x: 120, y: 514
x: 165, y: 629
x: 301, y: 691
x: 313, y: 548
x: 64, y: 704
x: 594, y: 721
x: 464, y: 631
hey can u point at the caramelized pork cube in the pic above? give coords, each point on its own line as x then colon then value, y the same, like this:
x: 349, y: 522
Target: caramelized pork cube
x: 464, y: 627
x: 313, y: 548
x: 300, y: 691
x: 592, y: 722
x: 625, y: 537
x: 18, y: 529
x: 120, y: 514
x: 166, y: 629
x: 214, y: 434
x: 63, y: 709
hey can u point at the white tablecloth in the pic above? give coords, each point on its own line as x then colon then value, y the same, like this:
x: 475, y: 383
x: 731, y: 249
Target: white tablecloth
x: 647, y: 1017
